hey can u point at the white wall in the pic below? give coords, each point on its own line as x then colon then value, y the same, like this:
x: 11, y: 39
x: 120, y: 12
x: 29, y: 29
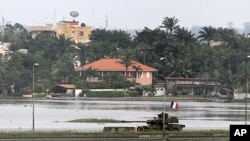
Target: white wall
x: 77, y: 92
x: 106, y: 90
x: 160, y: 91
x: 241, y: 95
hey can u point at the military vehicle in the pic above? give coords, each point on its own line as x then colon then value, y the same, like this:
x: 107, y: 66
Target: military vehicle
x: 171, y: 124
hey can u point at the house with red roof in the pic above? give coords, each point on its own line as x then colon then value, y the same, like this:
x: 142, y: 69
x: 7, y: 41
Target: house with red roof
x: 137, y: 72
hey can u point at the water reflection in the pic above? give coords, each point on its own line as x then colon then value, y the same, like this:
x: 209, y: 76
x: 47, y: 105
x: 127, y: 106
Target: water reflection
x: 54, y: 114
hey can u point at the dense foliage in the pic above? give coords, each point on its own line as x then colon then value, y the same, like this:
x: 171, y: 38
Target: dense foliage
x: 174, y: 50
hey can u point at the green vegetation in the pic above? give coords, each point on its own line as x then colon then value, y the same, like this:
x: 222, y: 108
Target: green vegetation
x: 170, y: 48
x: 69, y: 133
x: 39, y: 95
x: 208, y: 132
x: 105, y: 94
x: 97, y: 121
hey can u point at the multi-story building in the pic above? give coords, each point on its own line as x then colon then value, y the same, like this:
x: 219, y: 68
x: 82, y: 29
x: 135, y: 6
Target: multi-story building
x: 70, y: 29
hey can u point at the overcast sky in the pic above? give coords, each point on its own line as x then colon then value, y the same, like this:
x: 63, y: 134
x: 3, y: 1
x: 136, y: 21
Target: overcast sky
x: 128, y: 14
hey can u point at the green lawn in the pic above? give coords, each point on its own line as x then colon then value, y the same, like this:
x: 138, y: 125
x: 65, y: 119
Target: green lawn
x: 94, y: 120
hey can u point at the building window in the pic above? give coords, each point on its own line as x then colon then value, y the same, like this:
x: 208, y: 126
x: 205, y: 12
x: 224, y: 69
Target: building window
x: 81, y: 33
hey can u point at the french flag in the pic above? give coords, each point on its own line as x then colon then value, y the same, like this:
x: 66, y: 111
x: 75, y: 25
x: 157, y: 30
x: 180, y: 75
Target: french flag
x: 174, y: 105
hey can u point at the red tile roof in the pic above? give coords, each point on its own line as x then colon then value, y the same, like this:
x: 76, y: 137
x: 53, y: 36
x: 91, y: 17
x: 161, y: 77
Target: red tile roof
x: 113, y: 65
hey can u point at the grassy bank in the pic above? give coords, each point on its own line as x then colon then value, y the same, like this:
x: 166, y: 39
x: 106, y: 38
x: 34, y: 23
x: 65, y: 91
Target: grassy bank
x: 69, y: 132
x: 49, y: 134
x: 191, y: 99
x: 94, y: 120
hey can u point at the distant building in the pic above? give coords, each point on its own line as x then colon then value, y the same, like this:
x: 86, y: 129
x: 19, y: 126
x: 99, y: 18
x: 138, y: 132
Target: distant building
x: 63, y: 90
x: 247, y: 27
x: 215, y: 43
x: 70, y: 29
x: 192, y: 86
x: 4, y: 51
x: 143, y: 75
x: 4, y: 48
x: 36, y: 30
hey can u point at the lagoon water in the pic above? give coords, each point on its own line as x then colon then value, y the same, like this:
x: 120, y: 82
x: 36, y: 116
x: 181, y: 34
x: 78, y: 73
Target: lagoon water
x: 55, y: 114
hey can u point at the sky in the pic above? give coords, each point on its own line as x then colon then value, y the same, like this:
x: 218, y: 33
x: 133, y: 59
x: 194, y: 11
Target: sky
x: 127, y: 14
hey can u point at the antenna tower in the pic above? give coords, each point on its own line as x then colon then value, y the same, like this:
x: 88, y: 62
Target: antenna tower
x: 93, y: 14
x: 3, y: 30
x: 106, y: 21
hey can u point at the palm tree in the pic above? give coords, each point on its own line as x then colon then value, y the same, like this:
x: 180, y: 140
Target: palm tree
x: 228, y: 39
x: 126, y: 59
x: 137, y: 71
x: 170, y: 24
x: 162, y: 45
x: 91, y: 73
x: 176, y: 53
x: 207, y: 34
x: 144, y: 48
x: 183, y: 35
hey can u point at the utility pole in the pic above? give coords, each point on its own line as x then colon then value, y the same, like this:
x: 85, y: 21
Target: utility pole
x: 33, y: 90
x: 246, y: 89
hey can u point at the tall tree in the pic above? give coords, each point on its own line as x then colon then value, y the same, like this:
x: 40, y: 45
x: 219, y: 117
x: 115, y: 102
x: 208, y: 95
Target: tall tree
x: 227, y: 37
x: 126, y: 59
x: 170, y: 23
x: 138, y: 70
x: 143, y: 48
x: 207, y: 34
x: 184, y: 36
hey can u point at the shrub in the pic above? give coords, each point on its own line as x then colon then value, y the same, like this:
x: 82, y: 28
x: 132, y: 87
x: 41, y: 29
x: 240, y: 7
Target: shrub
x: 104, y: 94
x: 133, y: 93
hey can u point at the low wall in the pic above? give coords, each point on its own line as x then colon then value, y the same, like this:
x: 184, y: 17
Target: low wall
x: 241, y: 95
x: 27, y: 96
x: 101, y: 90
x: 119, y: 129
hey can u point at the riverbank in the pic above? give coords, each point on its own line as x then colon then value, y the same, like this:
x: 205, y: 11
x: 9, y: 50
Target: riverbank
x: 167, y: 99
x: 159, y: 98
x: 211, y: 135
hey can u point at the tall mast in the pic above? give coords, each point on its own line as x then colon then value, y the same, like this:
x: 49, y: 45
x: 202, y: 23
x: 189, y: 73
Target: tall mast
x: 93, y: 14
x: 3, y: 30
x: 106, y: 21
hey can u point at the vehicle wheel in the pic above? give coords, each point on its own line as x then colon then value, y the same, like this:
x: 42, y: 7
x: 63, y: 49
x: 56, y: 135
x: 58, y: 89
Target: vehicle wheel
x: 154, y: 129
x: 140, y: 129
x: 175, y: 129
x: 167, y: 129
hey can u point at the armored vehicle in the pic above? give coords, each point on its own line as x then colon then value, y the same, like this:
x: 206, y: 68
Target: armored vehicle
x: 171, y: 123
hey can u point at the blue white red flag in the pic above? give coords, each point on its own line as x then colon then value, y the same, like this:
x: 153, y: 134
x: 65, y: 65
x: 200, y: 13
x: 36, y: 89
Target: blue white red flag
x: 174, y: 105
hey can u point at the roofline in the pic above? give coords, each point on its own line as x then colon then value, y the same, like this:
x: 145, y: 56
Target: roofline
x: 191, y: 79
x: 62, y: 85
x: 120, y: 70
